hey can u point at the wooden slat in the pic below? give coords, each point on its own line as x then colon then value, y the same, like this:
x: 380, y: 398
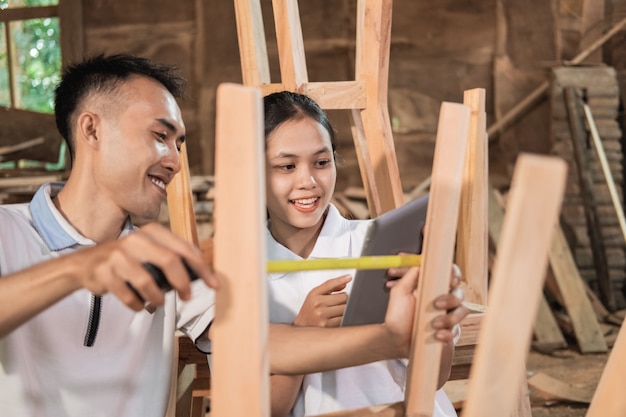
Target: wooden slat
x: 438, y: 252
x: 330, y: 95
x: 72, y: 37
x: 609, y: 399
x: 515, y: 288
x: 180, y: 202
x: 255, y: 66
x: 372, y: 67
x: 570, y: 283
x: 239, y: 331
x: 472, y: 232
x: 290, y: 44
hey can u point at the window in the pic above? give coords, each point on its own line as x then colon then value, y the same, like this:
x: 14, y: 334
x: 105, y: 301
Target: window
x: 30, y: 54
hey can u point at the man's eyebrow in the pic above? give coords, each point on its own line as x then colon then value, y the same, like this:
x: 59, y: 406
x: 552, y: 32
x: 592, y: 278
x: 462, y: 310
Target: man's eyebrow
x: 170, y: 126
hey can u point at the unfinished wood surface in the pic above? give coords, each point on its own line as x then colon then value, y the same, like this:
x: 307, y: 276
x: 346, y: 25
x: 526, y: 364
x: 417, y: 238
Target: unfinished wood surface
x: 548, y: 335
x: 609, y: 399
x: 472, y: 231
x: 239, y: 331
x: 438, y: 252
x: 290, y: 44
x: 586, y: 327
x: 555, y: 389
x: 515, y: 288
x: 365, y: 96
x: 180, y: 204
x: 373, y: 39
x: 255, y: 67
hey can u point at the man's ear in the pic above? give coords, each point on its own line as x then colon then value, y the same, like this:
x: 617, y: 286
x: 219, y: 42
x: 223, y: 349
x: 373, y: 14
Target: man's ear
x: 88, y: 126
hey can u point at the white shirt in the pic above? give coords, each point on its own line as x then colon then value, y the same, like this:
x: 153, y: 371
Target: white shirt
x: 375, y: 383
x: 45, y: 368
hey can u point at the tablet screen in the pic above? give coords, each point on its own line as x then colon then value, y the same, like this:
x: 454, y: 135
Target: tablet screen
x: 398, y: 230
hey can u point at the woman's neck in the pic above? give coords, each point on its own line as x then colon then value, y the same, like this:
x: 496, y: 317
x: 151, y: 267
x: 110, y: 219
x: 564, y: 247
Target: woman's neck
x: 299, y: 241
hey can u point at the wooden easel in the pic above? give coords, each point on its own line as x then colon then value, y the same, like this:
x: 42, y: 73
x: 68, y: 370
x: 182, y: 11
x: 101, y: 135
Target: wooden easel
x: 365, y: 97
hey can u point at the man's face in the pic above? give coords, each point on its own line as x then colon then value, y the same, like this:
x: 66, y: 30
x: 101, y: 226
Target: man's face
x: 139, y: 149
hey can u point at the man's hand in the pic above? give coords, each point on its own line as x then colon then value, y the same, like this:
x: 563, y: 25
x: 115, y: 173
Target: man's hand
x: 112, y: 266
x: 324, y: 305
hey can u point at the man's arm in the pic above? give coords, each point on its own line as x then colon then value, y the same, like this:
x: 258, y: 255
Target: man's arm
x: 108, y: 267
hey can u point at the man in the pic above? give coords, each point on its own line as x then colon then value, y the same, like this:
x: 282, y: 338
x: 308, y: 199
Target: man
x: 75, y: 336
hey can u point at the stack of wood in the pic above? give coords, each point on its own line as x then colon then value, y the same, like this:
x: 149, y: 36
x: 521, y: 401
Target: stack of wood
x: 588, y: 216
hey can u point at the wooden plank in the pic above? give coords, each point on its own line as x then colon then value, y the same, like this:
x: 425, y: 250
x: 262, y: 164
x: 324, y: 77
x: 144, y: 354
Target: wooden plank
x: 372, y: 67
x: 576, y: 302
x: 609, y: 399
x: 555, y: 389
x: 25, y: 13
x: 472, y: 232
x: 517, y: 278
x: 438, y: 252
x: 240, y: 360
x: 329, y: 95
x: 72, y: 37
x: 180, y: 202
x: 547, y: 332
x: 290, y: 44
x: 255, y: 67
x: 578, y: 137
x: 548, y: 335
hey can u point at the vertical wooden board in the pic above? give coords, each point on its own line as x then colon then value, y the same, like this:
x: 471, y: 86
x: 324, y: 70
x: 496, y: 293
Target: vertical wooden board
x: 372, y: 67
x: 255, y: 67
x: 579, y: 308
x: 472, y: 231
x: 290, y: 44
x: 609, y: 399
x: 180, y: 202
x: 518, y: 272
x: 438, y: 251
x: 239, y: 331
x: 365, y: 164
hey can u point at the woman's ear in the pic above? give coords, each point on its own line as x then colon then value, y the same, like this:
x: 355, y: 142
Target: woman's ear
x: 88, y: 125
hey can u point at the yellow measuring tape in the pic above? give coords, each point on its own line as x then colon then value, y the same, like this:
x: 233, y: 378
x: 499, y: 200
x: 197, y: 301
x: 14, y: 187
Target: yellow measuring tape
x: 365, y: 262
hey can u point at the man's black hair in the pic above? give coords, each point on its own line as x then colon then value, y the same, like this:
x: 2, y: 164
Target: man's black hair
x: 104, y: 74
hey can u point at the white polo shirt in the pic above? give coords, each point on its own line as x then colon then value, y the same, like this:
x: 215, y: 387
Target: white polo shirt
x: 46, y: 369
x: 360, y: 386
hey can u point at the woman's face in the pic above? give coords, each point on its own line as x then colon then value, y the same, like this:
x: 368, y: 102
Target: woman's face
x: 300, y: 175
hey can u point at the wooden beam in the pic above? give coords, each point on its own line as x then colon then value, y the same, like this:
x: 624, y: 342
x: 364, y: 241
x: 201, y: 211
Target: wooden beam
x: 570, y: 283
x: 180, y: 203
x: 438, y: 252
x: 239, y: 331
x: 472, y: 250
x: 290, y: 44
x: 517, y: 278
x: 372, y: 68
x: 255, y: 67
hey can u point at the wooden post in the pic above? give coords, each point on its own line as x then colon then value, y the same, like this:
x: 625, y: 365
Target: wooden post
x: 239, y: 331
x: 532, y: 212
x: 472, y: 232
x: 438, y: 252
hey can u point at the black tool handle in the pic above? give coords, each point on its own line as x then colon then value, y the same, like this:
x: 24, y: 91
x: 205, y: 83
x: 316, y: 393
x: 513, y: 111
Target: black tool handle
x: 159, y: 277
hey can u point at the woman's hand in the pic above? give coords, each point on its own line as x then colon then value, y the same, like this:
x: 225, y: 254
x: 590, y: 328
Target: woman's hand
x: 325, y: 304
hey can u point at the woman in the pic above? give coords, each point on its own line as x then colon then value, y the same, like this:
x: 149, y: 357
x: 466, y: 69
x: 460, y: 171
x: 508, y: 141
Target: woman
x: 301, y: 174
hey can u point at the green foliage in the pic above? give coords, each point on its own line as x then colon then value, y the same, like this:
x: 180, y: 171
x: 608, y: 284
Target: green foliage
x: 38, y: 59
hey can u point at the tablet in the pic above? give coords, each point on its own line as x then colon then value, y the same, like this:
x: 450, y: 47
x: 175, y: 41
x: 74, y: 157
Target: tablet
x: 398, y: 230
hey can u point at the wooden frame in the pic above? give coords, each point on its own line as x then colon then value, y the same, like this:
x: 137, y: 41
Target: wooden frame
x: 366, y: 96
